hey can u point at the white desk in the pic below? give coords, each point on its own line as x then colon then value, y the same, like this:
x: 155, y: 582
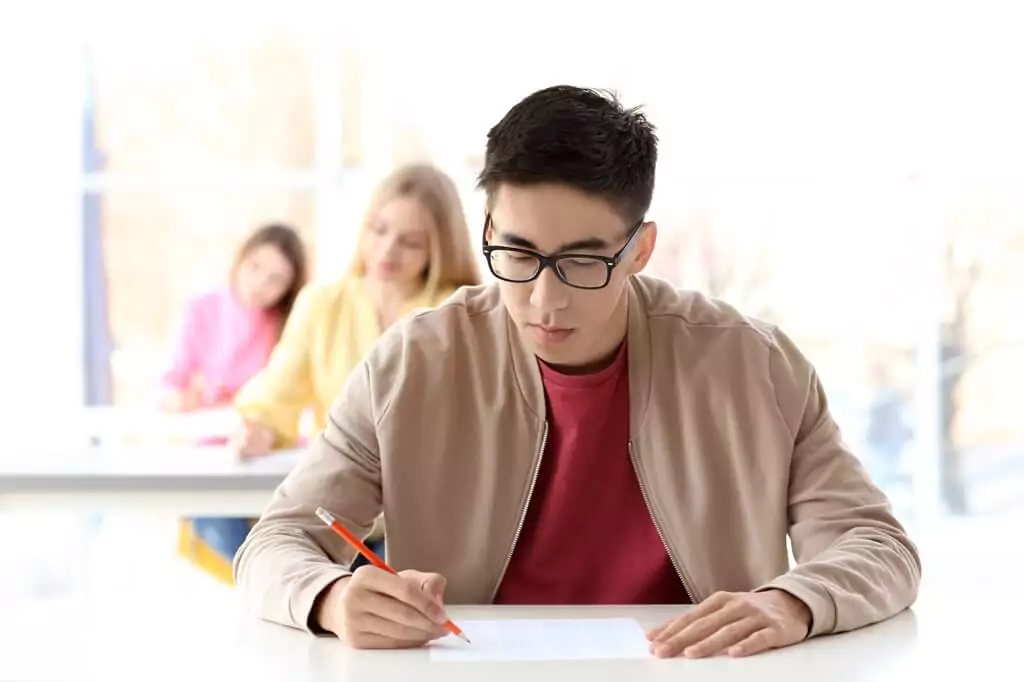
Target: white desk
x: 186, y: 481
x: 148, y: 424
x: 966, y: 637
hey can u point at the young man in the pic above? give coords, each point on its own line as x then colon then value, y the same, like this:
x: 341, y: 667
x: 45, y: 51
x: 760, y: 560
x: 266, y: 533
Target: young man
x: 579, y: 434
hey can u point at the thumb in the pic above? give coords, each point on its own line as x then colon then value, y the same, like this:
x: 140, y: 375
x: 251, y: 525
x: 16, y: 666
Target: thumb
x: 432, y: 584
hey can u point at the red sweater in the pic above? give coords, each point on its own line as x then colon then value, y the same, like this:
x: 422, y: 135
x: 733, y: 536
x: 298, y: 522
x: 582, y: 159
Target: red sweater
x: 588, y: 537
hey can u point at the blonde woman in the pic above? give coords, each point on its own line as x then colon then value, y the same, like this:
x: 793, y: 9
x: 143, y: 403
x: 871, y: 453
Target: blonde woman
x: 414, y: 251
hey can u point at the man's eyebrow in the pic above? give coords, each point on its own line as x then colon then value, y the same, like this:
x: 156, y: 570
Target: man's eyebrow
x: 591, y: 244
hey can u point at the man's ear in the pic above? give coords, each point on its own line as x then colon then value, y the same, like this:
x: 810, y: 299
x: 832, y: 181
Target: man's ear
x: 489, y: 229
x: 646, y: 240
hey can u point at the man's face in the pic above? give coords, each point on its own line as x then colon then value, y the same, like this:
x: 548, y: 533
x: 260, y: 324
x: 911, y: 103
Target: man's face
x: 569, y: 328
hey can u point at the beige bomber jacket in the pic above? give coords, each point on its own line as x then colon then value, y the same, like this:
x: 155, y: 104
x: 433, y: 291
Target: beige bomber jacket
x: 442, y: 427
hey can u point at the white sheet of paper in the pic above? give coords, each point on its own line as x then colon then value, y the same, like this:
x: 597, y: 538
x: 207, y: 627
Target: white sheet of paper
x: 544, y: 640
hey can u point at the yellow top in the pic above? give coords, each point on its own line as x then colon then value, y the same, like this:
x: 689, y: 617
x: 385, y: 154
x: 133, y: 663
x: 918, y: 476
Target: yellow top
x: 330, y: 329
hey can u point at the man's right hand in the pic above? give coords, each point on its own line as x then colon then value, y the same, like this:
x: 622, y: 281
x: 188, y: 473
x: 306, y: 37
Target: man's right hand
x: 252, y: 439
x: 374, y: 609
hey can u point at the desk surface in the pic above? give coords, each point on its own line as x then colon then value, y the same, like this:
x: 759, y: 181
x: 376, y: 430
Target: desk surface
x: 73, y: 642
x: 141, y: 466
x: 185, y: 480
x: 150, y: 424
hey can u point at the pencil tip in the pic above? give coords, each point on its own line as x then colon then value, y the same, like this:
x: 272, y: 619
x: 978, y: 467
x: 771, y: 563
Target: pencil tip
x: 325, y: 515
x: 463, y: 636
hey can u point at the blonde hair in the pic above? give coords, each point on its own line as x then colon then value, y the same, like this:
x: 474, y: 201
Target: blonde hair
x: 452, y: 260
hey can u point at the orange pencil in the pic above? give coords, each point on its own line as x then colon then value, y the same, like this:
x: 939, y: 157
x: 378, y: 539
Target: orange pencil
x: 329, y: 519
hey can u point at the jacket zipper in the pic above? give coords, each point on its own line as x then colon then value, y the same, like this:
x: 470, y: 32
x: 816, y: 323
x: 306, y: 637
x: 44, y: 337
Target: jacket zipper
x: 657, y: 526
x: 522, y: 514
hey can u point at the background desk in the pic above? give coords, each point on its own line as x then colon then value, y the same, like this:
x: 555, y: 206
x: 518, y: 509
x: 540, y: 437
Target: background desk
x: 122, y: 424
x: 183, y: 480
x: 157, y: 639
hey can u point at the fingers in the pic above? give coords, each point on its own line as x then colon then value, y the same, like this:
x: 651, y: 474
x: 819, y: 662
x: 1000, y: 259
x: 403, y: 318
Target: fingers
x: 401, y: 632
x: 253, y: 440
x: 237, y: 442
x: 724, y: 638
x: 653, y: 633
x: 398, y: 612
x: 681, y: 635
x: 699, y: 618
x: 381, y: 608
x: 759, y: 641
x: 370, y: 640
x: 739, y: 624
x: 422, y: 591
x: 708, y: 606
x: 240, y: 438
x: 259, y: 439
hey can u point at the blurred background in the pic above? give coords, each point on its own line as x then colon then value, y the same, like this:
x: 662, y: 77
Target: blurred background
x: 853, y: 172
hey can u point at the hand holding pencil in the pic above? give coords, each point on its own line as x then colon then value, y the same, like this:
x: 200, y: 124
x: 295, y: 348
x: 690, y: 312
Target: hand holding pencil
x: 379, y: 608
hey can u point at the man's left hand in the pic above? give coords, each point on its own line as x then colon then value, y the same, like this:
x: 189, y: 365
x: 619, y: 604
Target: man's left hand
x: 734, y: 623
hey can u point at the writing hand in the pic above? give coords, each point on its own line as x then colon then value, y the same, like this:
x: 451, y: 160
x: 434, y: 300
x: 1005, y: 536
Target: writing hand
x: 375, y: 609
x: 252, y: 440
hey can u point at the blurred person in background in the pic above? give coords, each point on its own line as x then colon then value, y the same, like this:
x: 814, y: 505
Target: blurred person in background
x: 228, y: 333
x: 888, y: 429
x: 226, y: 337
x: 413, y: 252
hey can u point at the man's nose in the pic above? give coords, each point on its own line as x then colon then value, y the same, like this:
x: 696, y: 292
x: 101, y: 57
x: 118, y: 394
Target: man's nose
x: 549, y: 293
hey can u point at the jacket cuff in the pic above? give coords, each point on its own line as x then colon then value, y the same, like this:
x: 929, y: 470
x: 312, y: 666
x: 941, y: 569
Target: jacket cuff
x: 814, y: 596
x: 308, y: 595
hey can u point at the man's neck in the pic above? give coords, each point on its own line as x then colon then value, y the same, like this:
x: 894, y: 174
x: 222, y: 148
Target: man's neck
x: 591, y: 367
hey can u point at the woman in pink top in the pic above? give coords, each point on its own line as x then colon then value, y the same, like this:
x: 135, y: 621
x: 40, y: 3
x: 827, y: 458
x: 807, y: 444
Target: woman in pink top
x: 228, y: 333
x: 226, y: 338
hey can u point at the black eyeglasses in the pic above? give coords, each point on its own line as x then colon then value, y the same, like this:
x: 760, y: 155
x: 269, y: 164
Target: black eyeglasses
x: 578, y: 270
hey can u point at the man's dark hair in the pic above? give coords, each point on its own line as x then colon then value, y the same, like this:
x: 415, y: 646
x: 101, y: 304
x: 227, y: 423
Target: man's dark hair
x: 578, y: 137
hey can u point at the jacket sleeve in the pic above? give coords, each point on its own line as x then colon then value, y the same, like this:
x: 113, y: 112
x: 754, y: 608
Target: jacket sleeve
x: 290, y: 556
x: 855, y: 564
x: 276, y: 396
